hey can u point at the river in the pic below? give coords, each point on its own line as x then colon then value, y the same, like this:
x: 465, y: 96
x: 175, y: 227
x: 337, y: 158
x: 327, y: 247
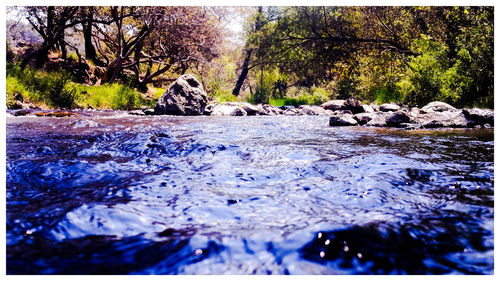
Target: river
x: 111, y: 193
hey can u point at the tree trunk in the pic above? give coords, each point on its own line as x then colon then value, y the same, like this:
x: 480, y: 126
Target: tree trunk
x: 243, y: 74
x: 90, y: 51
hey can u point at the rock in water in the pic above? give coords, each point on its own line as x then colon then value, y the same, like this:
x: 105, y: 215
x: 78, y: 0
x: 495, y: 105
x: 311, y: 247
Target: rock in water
x: 343, y: 120
x: 397, y: 118
x: 228, y: 110
x: 184, y: 97
x: 352, y: 105
x: 386, y: 107
x: 479, y: 116
x: 438, y: 106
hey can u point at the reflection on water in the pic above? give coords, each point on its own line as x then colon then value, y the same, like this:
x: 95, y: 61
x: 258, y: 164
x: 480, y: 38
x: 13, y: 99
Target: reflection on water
x: 110, y: 193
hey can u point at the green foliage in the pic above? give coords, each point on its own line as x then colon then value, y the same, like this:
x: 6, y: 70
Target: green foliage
x: 15, y: 88
x: 43, y: 87
x: 220, y: 78
x: 114, y: 96
x: 385, y: 54
x: 56, y: 90
x: 434, y: 76
x: 311, y: 96
x: 387, y: 94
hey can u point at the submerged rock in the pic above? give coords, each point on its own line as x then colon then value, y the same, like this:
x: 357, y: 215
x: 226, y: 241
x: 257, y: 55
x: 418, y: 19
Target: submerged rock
x: 184, y: 97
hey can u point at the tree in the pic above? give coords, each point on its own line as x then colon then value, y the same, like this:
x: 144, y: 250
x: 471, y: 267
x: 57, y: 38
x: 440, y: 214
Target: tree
x: 51, y: 23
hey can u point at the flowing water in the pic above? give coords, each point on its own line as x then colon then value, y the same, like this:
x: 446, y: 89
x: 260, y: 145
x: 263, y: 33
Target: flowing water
x: 111, y: 193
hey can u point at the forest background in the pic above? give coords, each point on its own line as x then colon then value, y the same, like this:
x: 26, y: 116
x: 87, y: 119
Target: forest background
x: 125, y: 57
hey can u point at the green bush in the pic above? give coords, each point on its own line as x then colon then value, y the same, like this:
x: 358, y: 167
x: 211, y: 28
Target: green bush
x: 434, y: 76
x: 387, y: 94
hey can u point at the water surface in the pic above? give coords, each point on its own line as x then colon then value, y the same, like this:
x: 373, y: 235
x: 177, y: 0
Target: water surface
x: 110, y: 193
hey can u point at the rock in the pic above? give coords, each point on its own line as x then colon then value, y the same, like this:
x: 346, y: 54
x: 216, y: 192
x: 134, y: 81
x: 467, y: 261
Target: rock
x: 271, y: 110
x: 291, y: 111
x: 441, y: 119
x: 342, y: 120
x: 334, y: 105
x: 364, y: 118
x: 84, y: 123
x: 56, y: 114
x: 149, y: 111
x: 353, y: 105
x: 209, y: 109
x: 479, y: 116
x: 228, y: 110
x: 21, y: 112
x: 312, y: 110
x: 437, y: 106
x: 386, y: 107
x: 184, y: 97
x: 396, y: 119
x: 378, y: 121
x: 137, y: 112
x: 249, y: 108
x: 368, y: 108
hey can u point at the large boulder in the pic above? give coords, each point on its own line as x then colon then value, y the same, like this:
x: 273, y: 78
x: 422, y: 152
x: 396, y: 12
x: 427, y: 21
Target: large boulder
x: 184, y: 97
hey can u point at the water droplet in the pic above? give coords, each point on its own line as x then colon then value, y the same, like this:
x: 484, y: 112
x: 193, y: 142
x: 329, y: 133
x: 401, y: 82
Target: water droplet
x: 198, y: 252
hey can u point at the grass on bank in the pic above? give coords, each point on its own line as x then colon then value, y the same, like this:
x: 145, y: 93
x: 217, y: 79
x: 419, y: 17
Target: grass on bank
x: 55, y: 90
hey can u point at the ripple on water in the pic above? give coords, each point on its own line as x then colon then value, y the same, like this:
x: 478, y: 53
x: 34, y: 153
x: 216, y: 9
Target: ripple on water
x: 253, y: 195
